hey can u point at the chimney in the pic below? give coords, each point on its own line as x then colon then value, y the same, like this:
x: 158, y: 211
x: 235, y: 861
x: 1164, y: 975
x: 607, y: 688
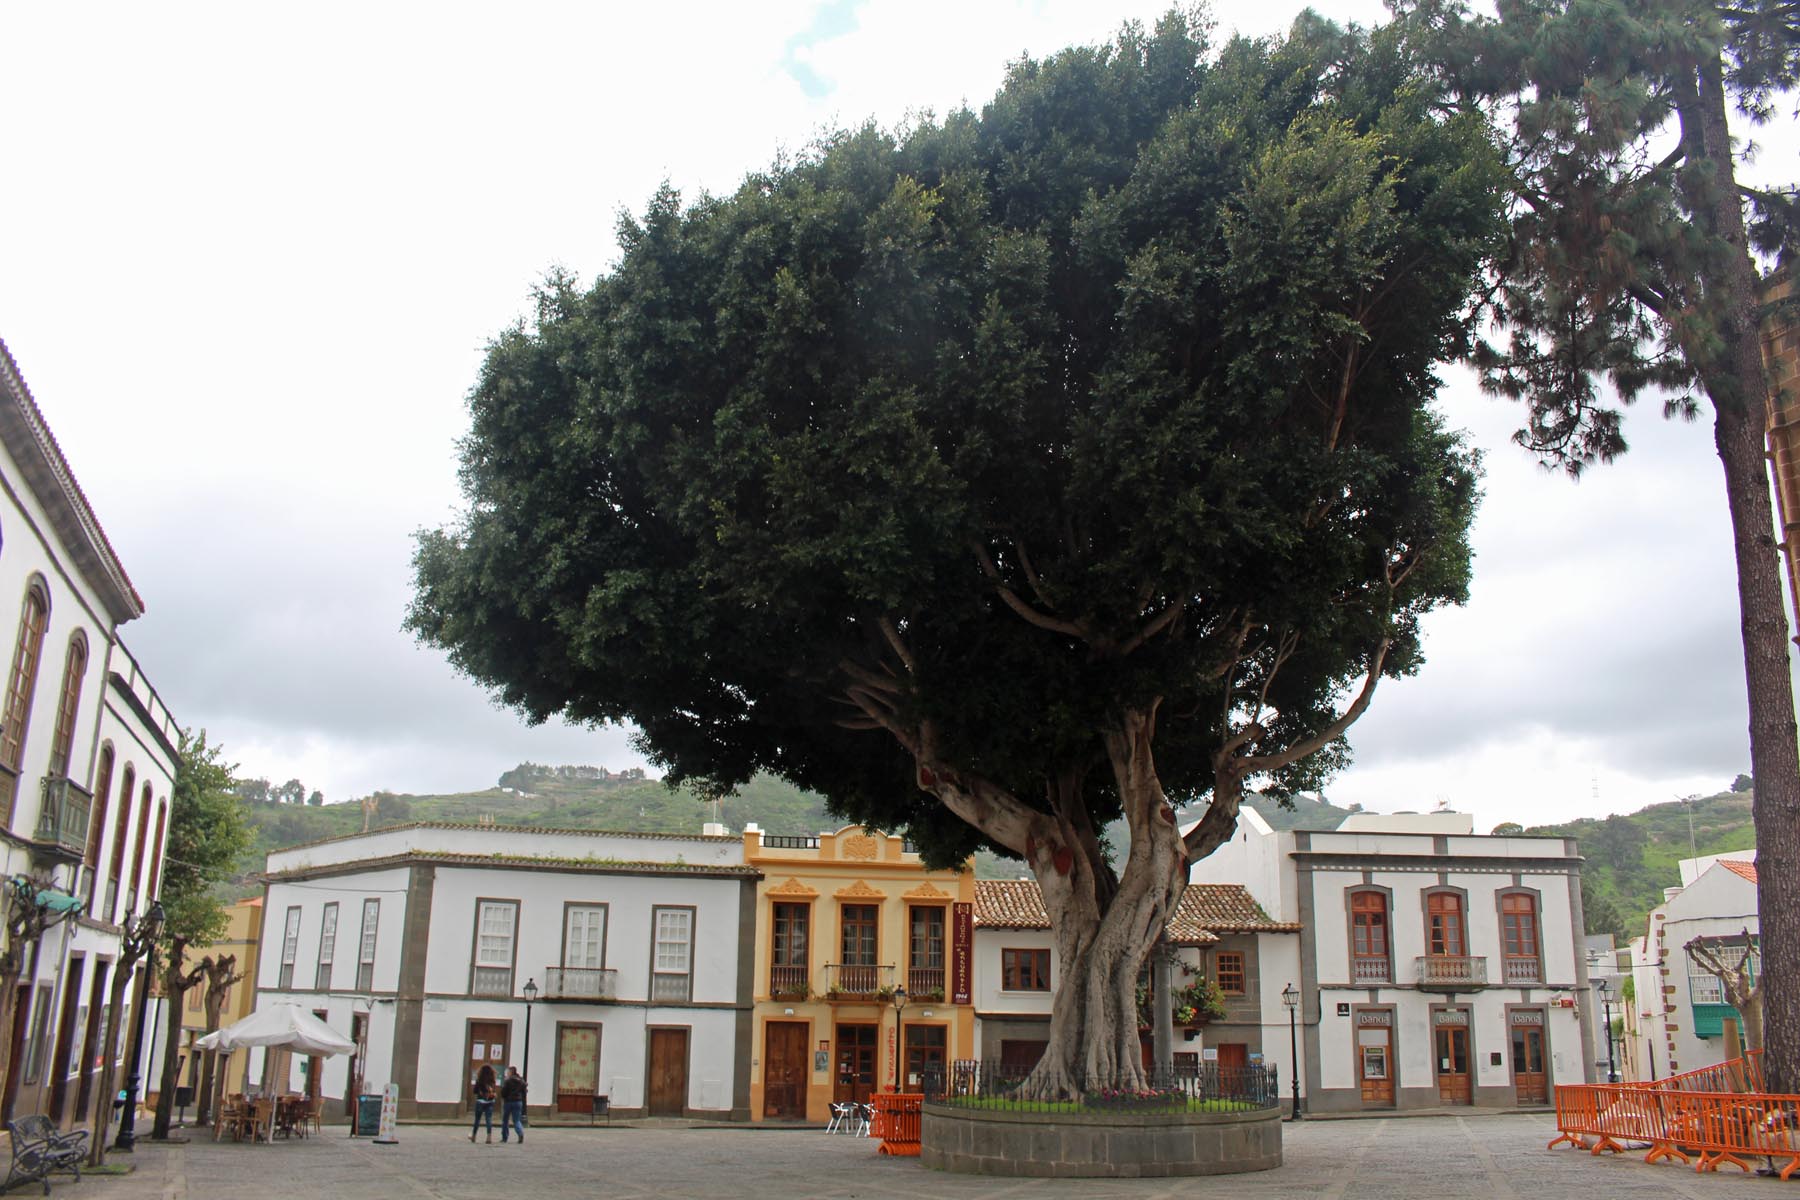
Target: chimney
x: 1669, y: 893
x: 712, y: 829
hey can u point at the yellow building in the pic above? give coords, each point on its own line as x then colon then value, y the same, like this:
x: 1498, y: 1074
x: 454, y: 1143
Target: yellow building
x: 241, y: 937
x: 854, y: 937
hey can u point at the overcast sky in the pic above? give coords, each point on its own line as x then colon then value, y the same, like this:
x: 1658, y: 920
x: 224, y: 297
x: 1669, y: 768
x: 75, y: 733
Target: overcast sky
x: 255, y: 251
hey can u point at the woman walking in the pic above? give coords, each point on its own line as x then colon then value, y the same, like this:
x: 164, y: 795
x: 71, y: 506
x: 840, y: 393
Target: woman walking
x: 484, y: 1101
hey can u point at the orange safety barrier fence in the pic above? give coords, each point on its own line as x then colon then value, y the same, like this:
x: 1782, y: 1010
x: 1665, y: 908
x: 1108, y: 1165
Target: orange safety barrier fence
x: 1706, y: 1128
x: 895, y: 1119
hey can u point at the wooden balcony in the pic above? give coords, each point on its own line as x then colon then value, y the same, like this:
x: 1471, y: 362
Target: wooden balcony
x: 789, y: 982
x: 62, y: 824
x: 857, y: 983
x: 1452, y: 973
x: 925, y: 983
x: 580, y: 985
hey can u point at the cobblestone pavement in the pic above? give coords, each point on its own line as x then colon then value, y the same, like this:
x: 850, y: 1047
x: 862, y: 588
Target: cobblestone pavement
x: 1441, y: 1158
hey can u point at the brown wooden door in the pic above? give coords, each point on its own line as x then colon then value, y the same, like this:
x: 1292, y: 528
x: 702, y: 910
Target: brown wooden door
x: 784, y: 1070
x: 1528, y: 1065
x: 1234, y: 1056
x: 1453, y: 1065
x: 487, y: 1047
x: 854, y: 1078
x: 1375, y: 1066
x: 668, y: 1087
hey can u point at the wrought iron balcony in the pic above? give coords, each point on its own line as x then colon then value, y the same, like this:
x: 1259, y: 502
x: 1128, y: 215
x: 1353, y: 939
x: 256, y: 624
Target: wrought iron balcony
x: 925, y: 983
x: 857, y: 982
x: 789, y: 982
x: 1452, y: 972
x: 62, y: 824
x: 591, y: 985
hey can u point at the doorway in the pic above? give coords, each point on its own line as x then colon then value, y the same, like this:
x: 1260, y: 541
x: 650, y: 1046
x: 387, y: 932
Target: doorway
x: 784, y: 1070
x: 1375, y: 1065
x: 1529, y: 1082
x: 488, y: 1043
x: 668, y: 1087
x: 854, y: 1079
x: 1453, y: 1065
x: 353, y: 1079
x: 577, y: 1068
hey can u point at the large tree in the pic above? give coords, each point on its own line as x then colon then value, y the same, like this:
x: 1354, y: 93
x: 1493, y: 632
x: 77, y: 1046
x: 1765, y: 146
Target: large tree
x: 1633, y: 264
x: 1007, y: 475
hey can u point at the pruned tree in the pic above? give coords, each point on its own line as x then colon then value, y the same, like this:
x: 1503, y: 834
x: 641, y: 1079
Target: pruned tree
x: 1634, y: 264
x: 220, y: 972
x: 1732, y: 961
x: 1008, y: 475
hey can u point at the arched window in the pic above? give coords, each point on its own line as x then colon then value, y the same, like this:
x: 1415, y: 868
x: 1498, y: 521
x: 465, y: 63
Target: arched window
x: 34, y: 618
x: 117, y: 870
x: 97, y: 820
x: 137, y: 856
x: 74, y: 674
x: 1444, y: 925
x: 1369, y: 941
x: 156, y: 851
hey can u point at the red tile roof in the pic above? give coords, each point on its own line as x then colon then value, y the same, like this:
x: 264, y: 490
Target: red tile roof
x: 1206, y: 910
x: 1746, y: 869
x: 1010, y: 904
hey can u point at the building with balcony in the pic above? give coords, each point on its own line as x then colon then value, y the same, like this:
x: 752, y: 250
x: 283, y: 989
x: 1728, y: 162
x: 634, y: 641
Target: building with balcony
x: 241, y: 939
x: 87, y: 763
x: 846, y: 922
x: 1435, y: 967
x: 1679, y: 1010
x: 599, y: 964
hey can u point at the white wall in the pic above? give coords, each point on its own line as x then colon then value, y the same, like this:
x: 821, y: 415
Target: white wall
x: 695, y: 850
x: 990, y: 997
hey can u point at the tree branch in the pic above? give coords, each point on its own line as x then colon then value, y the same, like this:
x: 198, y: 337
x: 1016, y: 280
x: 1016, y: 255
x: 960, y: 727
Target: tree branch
x: 1331, y: 732
x: 1019, y: 606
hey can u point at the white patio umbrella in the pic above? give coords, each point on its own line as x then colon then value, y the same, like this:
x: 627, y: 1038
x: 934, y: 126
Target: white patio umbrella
x: 283, y: 1029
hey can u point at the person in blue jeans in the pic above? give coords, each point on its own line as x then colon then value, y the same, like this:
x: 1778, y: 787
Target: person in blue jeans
x: 512, y: 1100
x: 483, y: 1092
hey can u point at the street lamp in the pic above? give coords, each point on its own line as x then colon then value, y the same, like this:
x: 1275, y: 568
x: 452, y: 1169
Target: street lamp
x: 531, y: 991
x: 140, y: 942
x: 1612, y: 1070
x: 1290, y: 996
x: 899, y: 1042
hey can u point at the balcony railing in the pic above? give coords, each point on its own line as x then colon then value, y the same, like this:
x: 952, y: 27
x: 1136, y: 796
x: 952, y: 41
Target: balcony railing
x: 667, y: 986
x: 1370, y: 970
x: 1452, y: 972
x: 857, y: 981
x: 789, y: 982
x: 581, y: 984
x: 491, y: 981
x: 925, y: 983
x: 63, y: 817
x: 1522, y: 970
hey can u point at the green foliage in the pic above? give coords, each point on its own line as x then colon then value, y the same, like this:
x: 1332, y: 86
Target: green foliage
x: 1743, y: 783
x: 207, y: 835
x: 898, y: 451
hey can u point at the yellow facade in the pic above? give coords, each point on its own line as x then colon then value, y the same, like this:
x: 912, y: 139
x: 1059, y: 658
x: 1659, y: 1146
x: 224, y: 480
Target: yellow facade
x: 242, y: 935
x: 844, y: 921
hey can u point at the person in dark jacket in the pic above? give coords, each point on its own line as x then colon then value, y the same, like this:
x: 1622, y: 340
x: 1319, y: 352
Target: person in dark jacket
x: 483, y: 1091
x: 512, y: 1099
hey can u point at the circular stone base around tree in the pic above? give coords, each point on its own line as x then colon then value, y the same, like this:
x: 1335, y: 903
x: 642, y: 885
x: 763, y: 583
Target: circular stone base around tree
x: 1119, y: 1145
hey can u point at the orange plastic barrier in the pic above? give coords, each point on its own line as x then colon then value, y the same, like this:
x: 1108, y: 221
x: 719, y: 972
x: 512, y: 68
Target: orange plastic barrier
x: 895, y: 1119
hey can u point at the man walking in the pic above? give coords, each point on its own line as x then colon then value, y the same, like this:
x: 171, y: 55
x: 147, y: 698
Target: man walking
x: 512, y: 1101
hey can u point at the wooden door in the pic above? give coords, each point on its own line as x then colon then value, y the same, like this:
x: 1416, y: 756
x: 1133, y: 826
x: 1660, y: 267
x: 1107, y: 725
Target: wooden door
x: 668, y: 1086
x: 1375, y: 1066
x: 487, y: 1047
x: 1453, y: 1065
x: 353, y: 1079
x: 1528, y: 1065
x: 1233, y: 1055
x: 784, y: 1070
x: 854, y: 1078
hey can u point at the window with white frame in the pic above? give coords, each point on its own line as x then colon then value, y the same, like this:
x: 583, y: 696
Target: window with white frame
x: 1706, y: 988
x: 496, y: 922
x: 673, y: 957
x: 365, y: 962
x: 327, y: 947
x: 290, y: 946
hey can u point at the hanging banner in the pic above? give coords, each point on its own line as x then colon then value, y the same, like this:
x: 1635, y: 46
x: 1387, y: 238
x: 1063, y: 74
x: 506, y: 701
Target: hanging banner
x: 962, y: 947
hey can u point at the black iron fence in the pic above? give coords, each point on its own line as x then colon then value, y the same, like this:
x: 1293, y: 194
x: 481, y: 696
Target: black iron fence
x: 1204, y: 1088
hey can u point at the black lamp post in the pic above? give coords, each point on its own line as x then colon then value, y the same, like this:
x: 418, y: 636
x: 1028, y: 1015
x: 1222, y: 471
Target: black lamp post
x: 143, y: 937
x: 899, y: 1041
x: 1612, y: 1070
x: 531, y: 991
x: 1290, y: 996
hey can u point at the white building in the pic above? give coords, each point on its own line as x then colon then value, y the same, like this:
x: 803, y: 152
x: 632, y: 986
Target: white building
x: 1677, y: 1020
x: 422, y: 943
x: 1218, y: 932
x: 1436, y: 967
x: 87, y: 762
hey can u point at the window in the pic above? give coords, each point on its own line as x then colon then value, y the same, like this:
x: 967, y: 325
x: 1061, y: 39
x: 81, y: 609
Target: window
x: 74, y: 672
x: 365, y: 959
x: 327, y: 947
x: 1228, y: 972
x: 1443, y: 925
x: 97, y: 820
x: 585, y: 946
x: 137, y: 857
x: 672, y: 956
x: 860, y: 942
x: 496, y: 921
x: 1025, y: 970
x: 33, y: 619
x: 788, y: 974
x: 290, y: 944
x: 1519, y: 937
x: 156, y: 851
x: 925, y: 944
x: 108, y: 910
x: 1368, y: 936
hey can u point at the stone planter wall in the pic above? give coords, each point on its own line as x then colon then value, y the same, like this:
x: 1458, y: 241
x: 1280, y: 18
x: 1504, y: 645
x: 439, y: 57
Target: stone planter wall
x: 1122, y: 1145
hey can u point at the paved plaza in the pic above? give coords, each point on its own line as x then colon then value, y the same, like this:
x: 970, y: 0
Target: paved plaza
x: 1441, y: 1158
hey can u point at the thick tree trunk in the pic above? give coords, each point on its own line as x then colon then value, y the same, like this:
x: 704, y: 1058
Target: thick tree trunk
x: 175, y: 986
x: 9, y: 995
x: 103, y: 1095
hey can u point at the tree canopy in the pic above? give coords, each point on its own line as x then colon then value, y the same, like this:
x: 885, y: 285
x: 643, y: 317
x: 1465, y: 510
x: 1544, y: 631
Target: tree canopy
x: 207, y: 833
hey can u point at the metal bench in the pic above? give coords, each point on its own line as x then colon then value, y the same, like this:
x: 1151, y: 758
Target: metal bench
x: 30, y: 1161
x: 66, y: 1151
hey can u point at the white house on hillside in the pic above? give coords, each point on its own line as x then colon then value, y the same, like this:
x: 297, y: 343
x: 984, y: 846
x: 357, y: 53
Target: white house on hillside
x: 424, y: 943
x: 1436, y: 967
